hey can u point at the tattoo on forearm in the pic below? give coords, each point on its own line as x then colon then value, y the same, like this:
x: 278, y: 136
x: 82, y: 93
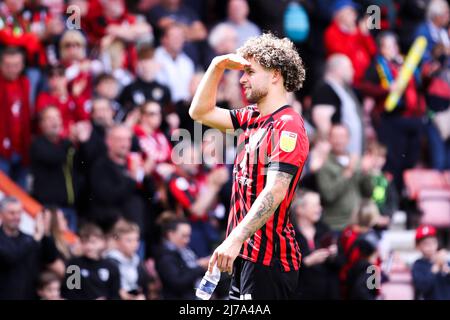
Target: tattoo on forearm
x: 265, y: 205
x: 257, y: 220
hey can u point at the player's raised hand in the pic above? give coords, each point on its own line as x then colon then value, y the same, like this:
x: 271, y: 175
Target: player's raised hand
x: 231, y: 61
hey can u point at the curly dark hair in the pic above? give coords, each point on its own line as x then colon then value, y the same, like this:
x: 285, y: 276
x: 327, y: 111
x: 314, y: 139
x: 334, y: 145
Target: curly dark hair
x: 276, y: 54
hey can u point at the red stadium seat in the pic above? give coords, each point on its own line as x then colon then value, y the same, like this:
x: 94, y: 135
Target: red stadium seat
x: 399, y: 286
x: 420, y: 179
x: 435, y: 207
x: 447, y: 178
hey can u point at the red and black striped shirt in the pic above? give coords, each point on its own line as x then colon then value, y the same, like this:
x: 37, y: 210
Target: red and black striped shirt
x: 277, y: 141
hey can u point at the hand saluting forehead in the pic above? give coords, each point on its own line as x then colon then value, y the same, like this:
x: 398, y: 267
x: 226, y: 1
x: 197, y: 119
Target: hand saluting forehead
x: 232, y: 61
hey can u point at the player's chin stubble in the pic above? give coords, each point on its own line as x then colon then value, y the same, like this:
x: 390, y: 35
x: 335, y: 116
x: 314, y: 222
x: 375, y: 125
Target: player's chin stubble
x: 254, y: 95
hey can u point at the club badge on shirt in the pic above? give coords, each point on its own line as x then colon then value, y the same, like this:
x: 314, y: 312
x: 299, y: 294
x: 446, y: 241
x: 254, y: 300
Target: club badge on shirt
x: 288, y: 140
x: 182, y: 184
x: 157, y: 94
x: 138, y: 97
x: 103, y: 274
x: 15, y: 109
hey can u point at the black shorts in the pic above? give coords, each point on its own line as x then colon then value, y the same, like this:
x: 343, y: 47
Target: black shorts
x: 252, y: 281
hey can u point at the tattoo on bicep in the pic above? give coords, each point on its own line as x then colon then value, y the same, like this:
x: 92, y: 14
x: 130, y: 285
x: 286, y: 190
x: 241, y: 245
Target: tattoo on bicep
x: 283, y: 179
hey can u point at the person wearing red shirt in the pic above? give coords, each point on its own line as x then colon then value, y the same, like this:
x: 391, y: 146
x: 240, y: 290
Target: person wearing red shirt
x: 108, y: 20
x: 152, y: 141
x: 345, y: 36
x: 272, y: 150
x: 15, y: 28
x: 15, y: 114
x: 79, y: 69
x: 367, y: 217
x: 400, y: 129
x: 59, y: 97
x: 194, y: 192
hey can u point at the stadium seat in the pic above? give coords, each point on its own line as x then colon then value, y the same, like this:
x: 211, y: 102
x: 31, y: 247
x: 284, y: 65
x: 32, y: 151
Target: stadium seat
x: 447, y: 178
x: 399, y: 286
x: 420, y: 179
x: 435, y: 207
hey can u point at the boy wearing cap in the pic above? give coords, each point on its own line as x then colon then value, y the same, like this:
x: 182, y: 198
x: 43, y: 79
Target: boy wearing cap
x: 431, y: 273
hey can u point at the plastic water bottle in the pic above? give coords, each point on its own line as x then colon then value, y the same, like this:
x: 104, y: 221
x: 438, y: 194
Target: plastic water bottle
x: 208, y: 284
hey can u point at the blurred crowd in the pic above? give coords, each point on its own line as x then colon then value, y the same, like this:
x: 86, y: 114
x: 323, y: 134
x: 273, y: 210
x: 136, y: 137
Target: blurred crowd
x: 94, y: 99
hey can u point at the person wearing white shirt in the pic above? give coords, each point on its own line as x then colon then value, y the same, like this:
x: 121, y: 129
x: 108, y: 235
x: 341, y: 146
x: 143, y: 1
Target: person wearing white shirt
x: 238, y: 11
x: 177, y: 69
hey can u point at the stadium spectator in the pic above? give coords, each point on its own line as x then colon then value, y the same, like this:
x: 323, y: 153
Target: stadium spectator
x: 237, y: 17
x: 384, y: 191
x: 318, y: 278
x: 90, y: 140
x: 411, y: 14
x: 360, y: 282
x: 112, y: 54
x: 49, y: 286
x: 21, y: 256
x: 46, y: 20
x: 134, y: 279
x: 106, y: 86
x: 178, y: 266
x: 182, y: 107
x: 100, y: 278
x: 52, y: 159
x: 335, y: 102
x: 58, y: 96
x: 66, y: 241
x: 91, y: 135
x: 152, y: 141
x: 223, y: 40
x: 318, y: 155
x: 15, y: 112
x: 112, y: 19
x: 343, y: 180
x: 177, y: 68
x: 193, y: 192
x: 31, y: 26
x: 171, y: 12
x: 361, y: 229
x: 431, y: 273
x: 17, y: 29
x: 434, y: 28
x: 351, y: 37
x: 79, y: 68
x: 399, y: 130
x: 116, y: 180
x: 145, y: 87
x: 436, y: 80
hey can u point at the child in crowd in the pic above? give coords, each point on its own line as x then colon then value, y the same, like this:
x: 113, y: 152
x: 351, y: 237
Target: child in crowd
x: 134, y: 279
x: 99, y: 278
x: 364, y: 276
x: 49, y: 286
x: 431, y: 273
x: 384, y: 193
x: 366, y: 218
